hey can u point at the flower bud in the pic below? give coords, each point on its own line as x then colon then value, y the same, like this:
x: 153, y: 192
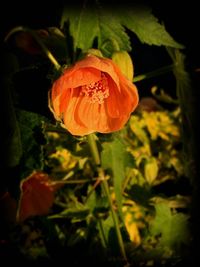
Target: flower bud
x: 95, y: 52
x: 123, y: 60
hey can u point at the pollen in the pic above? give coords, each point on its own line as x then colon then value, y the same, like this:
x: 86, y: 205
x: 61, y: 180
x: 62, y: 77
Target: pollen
x: 97, y: 91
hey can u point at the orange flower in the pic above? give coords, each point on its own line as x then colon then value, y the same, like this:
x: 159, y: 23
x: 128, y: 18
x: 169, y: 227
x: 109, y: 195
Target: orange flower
x: 93, y: 96
x: 37, y: 195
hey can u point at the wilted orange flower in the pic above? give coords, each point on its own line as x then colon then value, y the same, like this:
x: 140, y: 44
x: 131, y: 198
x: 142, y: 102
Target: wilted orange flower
x: 93, y: 96
x: 37, y: 195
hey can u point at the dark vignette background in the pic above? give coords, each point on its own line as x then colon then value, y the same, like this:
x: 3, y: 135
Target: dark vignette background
x: 181, y: 19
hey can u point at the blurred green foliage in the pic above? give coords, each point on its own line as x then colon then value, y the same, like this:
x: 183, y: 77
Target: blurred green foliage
x: 147, y: 153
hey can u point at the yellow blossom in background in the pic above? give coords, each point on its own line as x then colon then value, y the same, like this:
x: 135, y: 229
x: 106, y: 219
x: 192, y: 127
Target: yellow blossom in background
x: 134, y: 218
x: 159, y: 124
x: 132, y: 229
x: 65, y: 159
x: 53, y: 135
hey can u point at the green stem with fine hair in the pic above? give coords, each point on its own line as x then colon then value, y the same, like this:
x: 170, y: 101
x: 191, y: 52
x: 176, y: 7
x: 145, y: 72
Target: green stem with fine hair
x: 96, y: 157
x: 93, y: 148
x: 114, y: 215
x: 45, y: 50
x: 154, y: 73
x: 102, y: 233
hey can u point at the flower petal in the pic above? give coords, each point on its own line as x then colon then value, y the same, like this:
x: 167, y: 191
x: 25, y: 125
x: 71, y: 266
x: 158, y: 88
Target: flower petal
x: 73, y: 123
x: 64, y: 100
x: 123, y: 102
x: 76, y: 77
x: 89, y: 108
x: 96, y: 118
x: 113, y: 101
x: 103, y: 64
x: 93, y: 115
x: 130, y: 87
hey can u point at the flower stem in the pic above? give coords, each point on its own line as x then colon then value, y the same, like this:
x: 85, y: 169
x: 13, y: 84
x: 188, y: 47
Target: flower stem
x: 38, y: 40
x: 102, y: 233
x: 114, y: 215
x: 45, y: 50
x: 93, y: 148
x: 154, y: 73
x: 95, y: 154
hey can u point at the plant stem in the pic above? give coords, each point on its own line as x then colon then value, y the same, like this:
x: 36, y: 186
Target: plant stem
x: 45, y: 50
x: 102, y: 233
x: 113, y: 213
x: 154, y: 73
x: 95, y: 154
x: 38, y: 40
x: 93, y: 148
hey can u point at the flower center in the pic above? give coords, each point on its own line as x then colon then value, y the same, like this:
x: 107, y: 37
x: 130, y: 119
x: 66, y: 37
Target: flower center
x: 97, y: 91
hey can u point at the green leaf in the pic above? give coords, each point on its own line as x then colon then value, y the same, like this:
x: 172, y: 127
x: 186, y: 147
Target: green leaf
x: 115, y: 158
x: 145, y: 25
x: 172, y: 227
x: 10, y: 142
x: 32, y: 139
x: 87, y: 22
x: 105, y: 227
x: 112, y: 36
x: 14, y: 146
x: 186, y: 97
x: 83, y: 24
x: 72, y: 213
x: 96, y: 203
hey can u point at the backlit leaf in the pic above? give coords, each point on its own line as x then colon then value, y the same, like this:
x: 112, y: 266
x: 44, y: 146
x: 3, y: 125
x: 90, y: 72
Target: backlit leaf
x: 83, y: 24
x: 105, y: 228
x: 112, y: 35
x: 173, y: 228
x: 141, y: 21
x: 32, y: 139
x: 186, y: 96
x: 115, y: 158
x: 76, y: 214
x: 87, y: 22
x: 10, y: 141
